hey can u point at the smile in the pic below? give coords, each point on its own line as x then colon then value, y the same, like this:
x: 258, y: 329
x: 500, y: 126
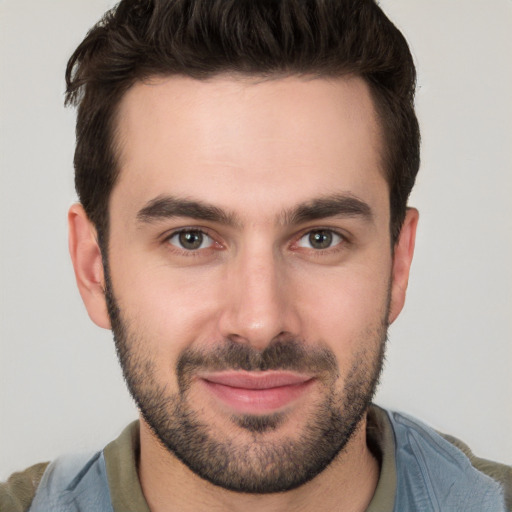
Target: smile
x: 256, y: 392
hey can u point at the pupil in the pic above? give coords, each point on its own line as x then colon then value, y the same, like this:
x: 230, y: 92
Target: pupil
x: 191, y: 239
x: 320, y: 239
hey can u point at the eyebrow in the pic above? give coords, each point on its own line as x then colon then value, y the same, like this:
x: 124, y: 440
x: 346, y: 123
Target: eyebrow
x: 168, y: 207
x: 336, y: 205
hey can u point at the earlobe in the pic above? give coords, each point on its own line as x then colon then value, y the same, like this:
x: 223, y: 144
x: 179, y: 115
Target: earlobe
x: 87, y: 263
x: 402, y: 259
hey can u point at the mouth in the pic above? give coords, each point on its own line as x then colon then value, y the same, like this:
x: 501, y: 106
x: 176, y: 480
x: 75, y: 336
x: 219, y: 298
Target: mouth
x: 256, y: 392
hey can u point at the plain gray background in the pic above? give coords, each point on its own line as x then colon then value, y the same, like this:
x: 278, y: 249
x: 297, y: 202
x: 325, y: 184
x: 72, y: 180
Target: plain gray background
x: 450, y: 353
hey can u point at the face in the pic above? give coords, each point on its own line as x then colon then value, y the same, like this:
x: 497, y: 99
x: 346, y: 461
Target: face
x: 250, y: 279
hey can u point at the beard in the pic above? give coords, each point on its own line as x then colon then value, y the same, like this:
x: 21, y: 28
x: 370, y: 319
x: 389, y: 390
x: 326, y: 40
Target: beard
x: 246, y: 457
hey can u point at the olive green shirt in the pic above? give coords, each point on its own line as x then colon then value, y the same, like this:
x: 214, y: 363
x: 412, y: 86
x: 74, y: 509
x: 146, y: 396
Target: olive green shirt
x: 121, y: 457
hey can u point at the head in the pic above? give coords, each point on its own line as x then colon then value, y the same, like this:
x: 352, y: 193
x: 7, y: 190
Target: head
x: 244, y: 169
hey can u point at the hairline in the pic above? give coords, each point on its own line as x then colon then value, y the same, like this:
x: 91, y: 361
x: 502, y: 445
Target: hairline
x: 115, y: 144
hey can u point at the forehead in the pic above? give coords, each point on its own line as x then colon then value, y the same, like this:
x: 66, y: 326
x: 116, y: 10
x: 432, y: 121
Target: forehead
x: 230, y: 138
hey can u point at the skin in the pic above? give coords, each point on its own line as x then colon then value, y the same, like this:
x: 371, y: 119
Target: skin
x: 257, y: 150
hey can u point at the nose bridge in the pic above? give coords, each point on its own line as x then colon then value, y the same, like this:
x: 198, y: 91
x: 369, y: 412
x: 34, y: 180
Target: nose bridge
x: 257, y: 308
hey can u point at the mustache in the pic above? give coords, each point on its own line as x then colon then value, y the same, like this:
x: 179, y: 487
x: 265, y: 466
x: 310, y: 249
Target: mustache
x: 281, y: 354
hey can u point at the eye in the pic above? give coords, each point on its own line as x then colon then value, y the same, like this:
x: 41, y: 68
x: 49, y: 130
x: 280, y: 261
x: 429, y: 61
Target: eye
x: 191, y: 240
x: 320, y: 239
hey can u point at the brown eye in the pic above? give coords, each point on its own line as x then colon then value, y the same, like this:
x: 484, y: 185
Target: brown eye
x: 191, y: 240
x: 320, y: 239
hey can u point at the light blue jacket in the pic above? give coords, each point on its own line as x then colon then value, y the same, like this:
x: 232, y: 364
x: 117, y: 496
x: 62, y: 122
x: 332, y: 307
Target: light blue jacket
x: 432, y: 476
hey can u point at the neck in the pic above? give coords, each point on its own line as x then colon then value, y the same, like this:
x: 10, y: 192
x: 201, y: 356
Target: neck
x: 347, y: 484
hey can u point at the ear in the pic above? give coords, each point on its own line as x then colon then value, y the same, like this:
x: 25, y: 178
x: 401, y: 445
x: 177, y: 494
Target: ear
x: 402, y: 259
x: 87, y: 263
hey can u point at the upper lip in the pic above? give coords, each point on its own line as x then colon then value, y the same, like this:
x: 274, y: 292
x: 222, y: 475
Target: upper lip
x: 256, y: 380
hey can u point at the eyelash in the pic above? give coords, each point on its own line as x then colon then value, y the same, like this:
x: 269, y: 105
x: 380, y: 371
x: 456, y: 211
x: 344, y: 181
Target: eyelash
x: 197, y: 252
x: 191, y: 252
x: 333, y: 248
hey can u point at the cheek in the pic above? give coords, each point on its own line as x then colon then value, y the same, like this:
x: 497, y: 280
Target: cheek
x: 171, y: 309
x: 168, y: 308
x: 344, y: 308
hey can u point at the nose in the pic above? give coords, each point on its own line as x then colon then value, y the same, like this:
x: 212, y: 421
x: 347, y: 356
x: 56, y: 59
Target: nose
x: 258, y: 304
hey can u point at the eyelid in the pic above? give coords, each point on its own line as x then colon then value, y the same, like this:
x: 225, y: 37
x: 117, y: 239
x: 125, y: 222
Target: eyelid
x: 184, y: 229
x: 343, y: 238
x: 167, y: 236
x: 206, y: 240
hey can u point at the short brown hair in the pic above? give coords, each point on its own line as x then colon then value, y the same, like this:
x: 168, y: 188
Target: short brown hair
x: 202, y: 38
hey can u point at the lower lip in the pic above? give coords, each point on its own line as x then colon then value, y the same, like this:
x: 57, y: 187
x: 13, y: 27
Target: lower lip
x: 257, y: 401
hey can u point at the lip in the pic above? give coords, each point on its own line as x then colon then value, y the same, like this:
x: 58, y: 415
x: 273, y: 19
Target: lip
x: 256, y: 392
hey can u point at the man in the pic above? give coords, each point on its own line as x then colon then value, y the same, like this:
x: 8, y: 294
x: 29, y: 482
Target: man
x: 243, y: 171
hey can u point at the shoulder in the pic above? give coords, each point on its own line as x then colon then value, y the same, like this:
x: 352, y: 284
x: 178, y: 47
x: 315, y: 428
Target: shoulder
x: 71, y: 482
x: 17, y: 493
x: 440, y: 468
x: 76, y: 481
x: 501, y: 473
